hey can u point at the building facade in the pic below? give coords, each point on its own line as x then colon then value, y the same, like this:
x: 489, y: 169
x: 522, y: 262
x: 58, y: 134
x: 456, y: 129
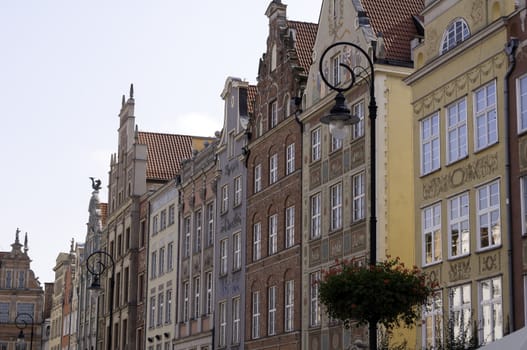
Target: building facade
x: 461, y: 193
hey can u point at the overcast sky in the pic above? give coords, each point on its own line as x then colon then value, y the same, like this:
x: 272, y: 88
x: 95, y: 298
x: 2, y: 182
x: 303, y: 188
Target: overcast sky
x: 64, y: 66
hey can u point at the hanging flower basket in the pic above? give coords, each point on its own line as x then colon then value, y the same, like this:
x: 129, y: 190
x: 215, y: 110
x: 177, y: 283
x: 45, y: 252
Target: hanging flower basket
x: 388, y: 293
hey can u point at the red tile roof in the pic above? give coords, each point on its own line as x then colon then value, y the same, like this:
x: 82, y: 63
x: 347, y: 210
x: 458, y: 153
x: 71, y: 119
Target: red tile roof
x: 394, y: 20
x: 165, y: 153
x: 104, y: 212
x: 306, y: 34
x: 251, y: 97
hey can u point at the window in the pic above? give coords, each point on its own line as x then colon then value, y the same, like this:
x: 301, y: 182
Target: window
x: 273, y: 168
x: 431, y: 217
x: 236, y: 320
x: 490, y: 310
x: 256, y: 315
x: 210, y: 224
x: 186, y: 244
x: 455, y: 33
x: 223, y: 257
x: 237, y: 191
x: 290, y: 159
x: 185, y: 301
x: 4, y: 312
x: 224, y: 198
x: 289, y: 227
x: 273, y: 114
x: 289, y: 305
x: 314, y: 307
x: 237, y: 251
x: 273, y: 234
x: 197, y: 299
x: 223, y: 324
x: 335, y: 70
x: 460, y: 312
x: 359, y: 202
x: 170, y: 256
x: 230, y: 145
x: 197, y: 231
x: 336, y: 206
x: 168, y: 312
x: 433, y: 321
x: 208, y: 310
x: 430, y: 144
x: 315, y: 145
x: 271, y: 315
x: 257, y: 178
x: 161, y: 261
x: 171, y: 214
x: 160, y: 301
x: 257, y: 241
x: 155, y: 225
x: 21, y: 279
x: 488, y: 215
x: 153, y: 269
x: 486, y: 127
x: 315, y: 216
x: 457, y: 130
x: 521, y: 93
x: 458, y: 232
x: 523, y: 188
x: 336, y: 143
x: 358, y: 129
x: 163, y: 220
x: 151, y: 322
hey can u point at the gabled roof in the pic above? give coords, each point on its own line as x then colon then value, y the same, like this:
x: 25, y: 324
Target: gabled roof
x: 306, y: 34
x: 165, y: 153
x: 395, y: 20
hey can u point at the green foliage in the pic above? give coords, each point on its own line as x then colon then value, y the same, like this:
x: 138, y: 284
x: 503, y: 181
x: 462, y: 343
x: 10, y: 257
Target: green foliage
x: 388, y: 293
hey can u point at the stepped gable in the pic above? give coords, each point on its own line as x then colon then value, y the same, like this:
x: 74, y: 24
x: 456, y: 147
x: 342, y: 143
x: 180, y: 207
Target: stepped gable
x: 165, y: 153
x: 306, y: 34
x: 394, y: 19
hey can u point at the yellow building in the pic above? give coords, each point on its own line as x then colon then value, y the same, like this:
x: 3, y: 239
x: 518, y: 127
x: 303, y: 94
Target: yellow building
x: 461, y: 182
x: 337, y: 216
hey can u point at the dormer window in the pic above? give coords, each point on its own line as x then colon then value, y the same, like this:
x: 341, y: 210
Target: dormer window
x: 455, y: 33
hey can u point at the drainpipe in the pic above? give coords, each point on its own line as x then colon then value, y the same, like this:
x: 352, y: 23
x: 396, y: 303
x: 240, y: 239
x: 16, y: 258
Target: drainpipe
x: 510, y: 50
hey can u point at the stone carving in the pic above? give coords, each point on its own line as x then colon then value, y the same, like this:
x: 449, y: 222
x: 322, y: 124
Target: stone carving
x: 459, y: 270
x: 335, y: 166
x: 314, y: 256
x: 227, y: 225
x: 490, y: 263
x: 335, y: 247
x: 95, y: 184
x: 477, y: 11
x: 357, y: 154
x: 358, y: 241
x: 315, y: 177
x: 477, y: 170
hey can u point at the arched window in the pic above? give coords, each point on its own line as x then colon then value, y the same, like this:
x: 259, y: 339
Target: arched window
x: 455, y: 33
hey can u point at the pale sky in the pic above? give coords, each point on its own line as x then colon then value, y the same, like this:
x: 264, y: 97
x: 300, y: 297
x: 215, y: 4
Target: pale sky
x: 64, y: 66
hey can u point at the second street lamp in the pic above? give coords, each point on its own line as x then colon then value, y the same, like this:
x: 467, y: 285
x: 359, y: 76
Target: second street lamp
x: 340, y: 117
x: 97, y: 263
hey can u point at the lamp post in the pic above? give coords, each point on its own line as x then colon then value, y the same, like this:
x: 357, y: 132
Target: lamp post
x: 97, y: 263
x: 21, y: 322
x: 339, y: 117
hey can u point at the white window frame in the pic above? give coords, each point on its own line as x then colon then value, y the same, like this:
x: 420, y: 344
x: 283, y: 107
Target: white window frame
x: 255, y: 333
x: 359, y: 197
x: 257, y: 178
x: 209, y: 299
x: 289, y: 300
x: 210, y: 224
x: 336, y: 206
x: 314, y: 306
x: 271, y: 311
x: 273, y: 168
x: 168, y: 311
x: 315, y: 145
x: 521, y: 103
x: 358, y: 129
x: 289, y: 226
x: 197, y: 230
x: 485, y: 116
x: 273, y: 114
x: 455, y: 33
x: 224, y: 198
x: 460, y: 313
x: 316, y: 209
x: 237, y: 191
x: 336, y: 143
x: 290, y: 159
x: 236, y: 320
x: 430, y: 143
x: 170, y: 256
x: 273, y: 234
x: 223, y: 257
x: 186, y: 244
x: 185, y: 311
x: 197, y: 297
x: 257, y: 241
x: 456, y: 131
x: 431, y: 234
x: 236, y: 251
x: 490, y: 303
x: 433, y: 311
x: 152, y: 320
x: 153, y: 262
x: 160, y: 305
x: 336, y: 70
x: 161, y: 261
x: 488, y: 215
x: 459, y: 225
x: 222, y: 341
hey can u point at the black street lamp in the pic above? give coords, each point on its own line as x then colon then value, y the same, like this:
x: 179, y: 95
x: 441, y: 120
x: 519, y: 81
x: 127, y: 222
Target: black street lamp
x: 339, y: 117
x: 97, y: 263
x: 21, y: 322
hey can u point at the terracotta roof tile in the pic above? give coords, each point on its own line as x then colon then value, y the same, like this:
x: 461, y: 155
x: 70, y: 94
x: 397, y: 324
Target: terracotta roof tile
x: 251, y: 97
x: 306, y: 34
x: 394, y: 20
x: 165, y: 153
x: 104, y: 212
